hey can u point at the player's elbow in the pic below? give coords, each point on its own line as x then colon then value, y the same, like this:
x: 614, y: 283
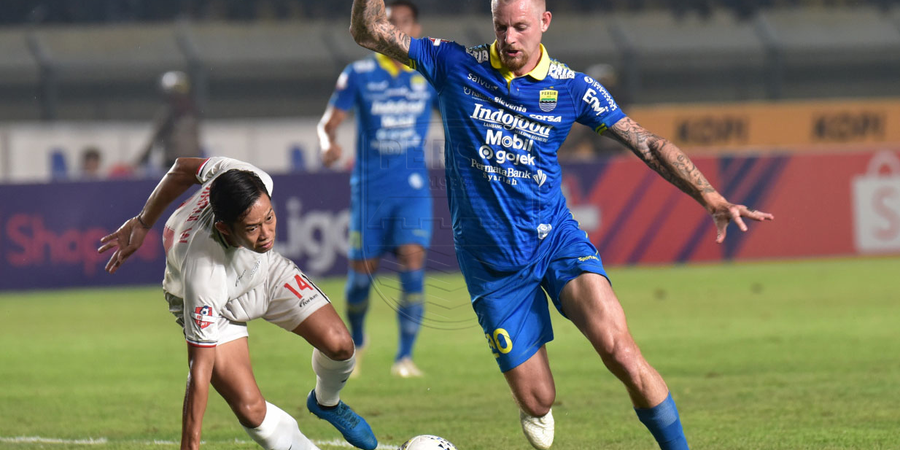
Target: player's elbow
x: 363, y: 35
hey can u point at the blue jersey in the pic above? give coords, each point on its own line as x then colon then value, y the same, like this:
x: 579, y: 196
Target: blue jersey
x: 502, y: 133
x: 393, y: 109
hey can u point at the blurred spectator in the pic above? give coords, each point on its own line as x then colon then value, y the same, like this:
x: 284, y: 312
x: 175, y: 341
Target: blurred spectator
x: 176, y: 132
x: 91, y: 161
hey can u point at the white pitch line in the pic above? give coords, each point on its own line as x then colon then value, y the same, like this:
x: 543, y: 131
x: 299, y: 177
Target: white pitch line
x: 103, y: 441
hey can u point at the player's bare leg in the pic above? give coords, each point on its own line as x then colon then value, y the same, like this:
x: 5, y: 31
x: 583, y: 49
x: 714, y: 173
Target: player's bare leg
x: 268, y: 425
x: 534, y: 391
x: 410, y: 310
x: 590, y: 303
x: 359, y: 282
x: 333, y: 360
x: 333, y: 356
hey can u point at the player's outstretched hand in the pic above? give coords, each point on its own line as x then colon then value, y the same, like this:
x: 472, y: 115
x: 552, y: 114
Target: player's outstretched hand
x: 126, y: 240
x: 725, y: 212
x: 331, y: 155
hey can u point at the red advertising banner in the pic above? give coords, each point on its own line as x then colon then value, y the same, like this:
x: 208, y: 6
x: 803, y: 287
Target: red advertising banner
x: 824, y: 205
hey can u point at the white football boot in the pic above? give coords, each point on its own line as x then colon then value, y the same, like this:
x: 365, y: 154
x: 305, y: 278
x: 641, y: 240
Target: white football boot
x: 406, y: 368
x: 538, y: 430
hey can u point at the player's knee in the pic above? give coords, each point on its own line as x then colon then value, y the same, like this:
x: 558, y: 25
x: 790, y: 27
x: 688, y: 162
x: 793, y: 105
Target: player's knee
x: 539, y: 401
x: 250, y: 412
x: 620, y: 354
x: 338, y: 345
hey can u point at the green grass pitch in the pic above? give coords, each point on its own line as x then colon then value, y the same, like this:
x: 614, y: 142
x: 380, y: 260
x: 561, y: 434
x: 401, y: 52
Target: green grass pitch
x: 779, y: 355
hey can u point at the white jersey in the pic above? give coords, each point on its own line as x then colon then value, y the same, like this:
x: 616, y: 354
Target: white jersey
x: 201, y: 268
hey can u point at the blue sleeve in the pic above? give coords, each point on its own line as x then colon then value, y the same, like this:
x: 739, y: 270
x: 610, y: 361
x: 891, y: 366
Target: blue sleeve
x: 434, y: 58
x: 594, y: 107
x: 344, y: 96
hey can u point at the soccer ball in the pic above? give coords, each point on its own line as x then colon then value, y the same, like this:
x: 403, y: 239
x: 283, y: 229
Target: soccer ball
x: 427, y: 442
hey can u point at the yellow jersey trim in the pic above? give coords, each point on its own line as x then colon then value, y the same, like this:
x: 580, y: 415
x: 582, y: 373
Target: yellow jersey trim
x: 388, y: 65
x: 538, y: 73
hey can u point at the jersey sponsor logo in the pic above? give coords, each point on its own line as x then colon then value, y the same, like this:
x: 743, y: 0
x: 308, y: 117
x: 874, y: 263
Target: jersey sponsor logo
x: 398, y: 121
x: 481, y: 82
x: 590, y: 97
x: 546, y: 118
x: 398, y: 107
x: 252, y: 272
x: 498, y: 138
x: 480, y: 53
x: 588, y: 257
x: 540, y: 177
x: 548, y: 99
x: 473, y: 93
x: 377, y: 85
x: 502, y: 156
x: 507, y: 105
x: 602, y: 90
x: 560, y: 71
x: 365, y: 65
x: 507, y: 175
x: 509, y: 121
x: 203, y: 316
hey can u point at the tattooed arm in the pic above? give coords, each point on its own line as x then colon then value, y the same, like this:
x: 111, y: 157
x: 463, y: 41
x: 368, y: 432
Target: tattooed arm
x: 670, y: 162
x: 370, y: 28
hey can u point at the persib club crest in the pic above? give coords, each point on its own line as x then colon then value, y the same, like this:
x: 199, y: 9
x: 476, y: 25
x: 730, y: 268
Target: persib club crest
x: 203, y: 316
x: 548, y: 100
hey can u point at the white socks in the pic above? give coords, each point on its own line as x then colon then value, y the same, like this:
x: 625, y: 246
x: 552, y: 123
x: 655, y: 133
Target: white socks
x: 279, y: 431
x: 538, y: 430
x: 331, y: 376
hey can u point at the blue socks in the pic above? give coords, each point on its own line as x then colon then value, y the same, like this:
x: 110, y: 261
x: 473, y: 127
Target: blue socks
x: 663, y: 422
x: 357, y: 292
x: 410, y: 310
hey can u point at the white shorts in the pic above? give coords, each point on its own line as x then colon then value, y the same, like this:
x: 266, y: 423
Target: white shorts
x: 286, y: 299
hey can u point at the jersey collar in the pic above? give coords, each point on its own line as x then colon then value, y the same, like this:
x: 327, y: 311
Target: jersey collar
x: 538, y: 73
x: 388, y: 65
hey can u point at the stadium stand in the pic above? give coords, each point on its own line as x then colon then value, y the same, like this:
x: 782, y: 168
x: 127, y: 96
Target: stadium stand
x: 663, y: 52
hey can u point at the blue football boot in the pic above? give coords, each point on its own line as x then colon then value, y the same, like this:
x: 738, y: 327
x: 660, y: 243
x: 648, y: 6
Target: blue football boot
x: 354, y: 428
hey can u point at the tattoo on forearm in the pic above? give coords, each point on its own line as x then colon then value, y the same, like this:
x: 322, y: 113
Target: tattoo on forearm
x: 371, y: 29
x: 663, y: 157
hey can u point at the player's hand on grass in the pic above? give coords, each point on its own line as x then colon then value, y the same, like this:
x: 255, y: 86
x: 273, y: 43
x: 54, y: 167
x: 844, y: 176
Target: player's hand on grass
x: 726, y: 212
x: 331, y: 154
x: 126, y: 240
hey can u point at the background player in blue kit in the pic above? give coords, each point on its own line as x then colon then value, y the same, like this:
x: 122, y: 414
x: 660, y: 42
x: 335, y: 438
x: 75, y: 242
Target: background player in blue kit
x: 391, y: 202
x: 506, y: 108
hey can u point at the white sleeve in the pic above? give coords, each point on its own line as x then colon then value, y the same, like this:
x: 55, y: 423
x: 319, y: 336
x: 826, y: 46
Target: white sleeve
x: 218, y: 165
x: 205, y: 295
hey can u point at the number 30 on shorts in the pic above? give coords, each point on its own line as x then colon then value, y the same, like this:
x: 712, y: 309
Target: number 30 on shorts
x: 499, y: 342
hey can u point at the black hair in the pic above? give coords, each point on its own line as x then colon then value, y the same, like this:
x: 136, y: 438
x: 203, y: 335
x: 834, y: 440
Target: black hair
x: 412, y: 7
x: 233, y: 193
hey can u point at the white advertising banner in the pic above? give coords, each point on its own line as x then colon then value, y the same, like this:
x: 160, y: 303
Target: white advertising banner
x: 876, y: 203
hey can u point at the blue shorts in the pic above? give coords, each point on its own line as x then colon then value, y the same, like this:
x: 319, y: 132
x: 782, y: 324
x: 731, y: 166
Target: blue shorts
x: 380, y: 225
x: 512, y: 306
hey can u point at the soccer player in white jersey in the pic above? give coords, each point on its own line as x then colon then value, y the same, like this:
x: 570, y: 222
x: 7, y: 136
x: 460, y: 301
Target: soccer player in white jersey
x: 221, y: 272
x: 506, y: 108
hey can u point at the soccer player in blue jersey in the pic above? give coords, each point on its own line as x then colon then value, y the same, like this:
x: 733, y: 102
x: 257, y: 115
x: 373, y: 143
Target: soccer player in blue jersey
x: 390, y: 201
x: 507, y: 107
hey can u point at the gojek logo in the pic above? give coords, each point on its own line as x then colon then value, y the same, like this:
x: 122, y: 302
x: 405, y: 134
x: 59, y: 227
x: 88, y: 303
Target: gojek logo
x: 503, y: 156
